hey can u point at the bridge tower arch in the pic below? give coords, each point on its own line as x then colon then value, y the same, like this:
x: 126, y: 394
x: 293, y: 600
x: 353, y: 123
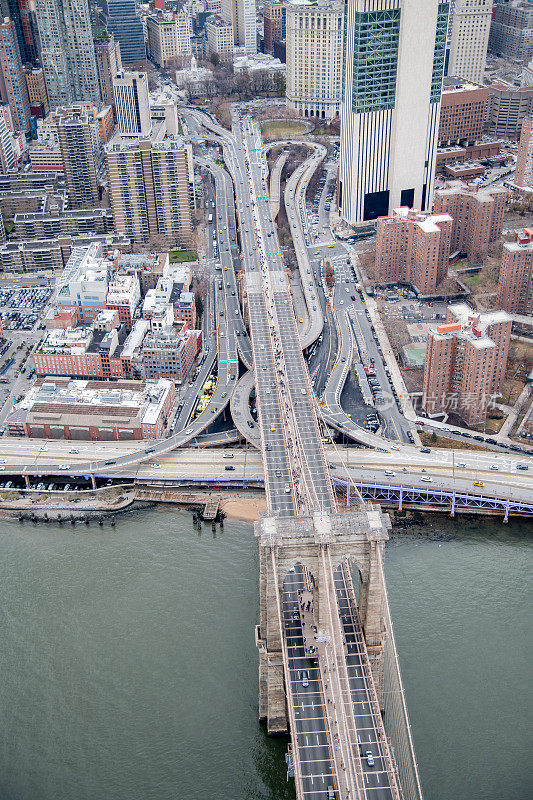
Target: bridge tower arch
x: 358, y: 537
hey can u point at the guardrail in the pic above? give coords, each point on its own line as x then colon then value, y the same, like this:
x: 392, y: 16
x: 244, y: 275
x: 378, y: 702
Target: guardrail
x: 440, y: 498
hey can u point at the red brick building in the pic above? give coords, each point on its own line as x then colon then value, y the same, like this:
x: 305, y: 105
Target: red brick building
x: 462, y: 111
x: 413, y: 248
x: 465, y: 363
x: 515, y: 285
x: 477, y: 216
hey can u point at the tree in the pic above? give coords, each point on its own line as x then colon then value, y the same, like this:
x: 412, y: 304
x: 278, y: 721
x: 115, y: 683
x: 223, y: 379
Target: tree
x: 199, y: 303
x: 433, y: 438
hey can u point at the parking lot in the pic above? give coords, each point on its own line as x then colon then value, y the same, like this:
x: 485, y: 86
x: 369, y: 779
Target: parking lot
x: 20, y: 307
x: 21, y: 310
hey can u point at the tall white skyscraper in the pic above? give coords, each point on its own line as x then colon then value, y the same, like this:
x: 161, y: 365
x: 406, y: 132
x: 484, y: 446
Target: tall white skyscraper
x: 468, y: 38
x: 241, y: 14
x: 67, y: 51
x: 132, y: 103
x: 393, y: 66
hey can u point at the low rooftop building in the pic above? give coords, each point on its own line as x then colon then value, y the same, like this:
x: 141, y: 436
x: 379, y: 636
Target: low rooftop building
x: 81, y: 410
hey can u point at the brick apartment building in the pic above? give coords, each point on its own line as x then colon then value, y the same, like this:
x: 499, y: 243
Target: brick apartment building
x: 413, y: 248
x: 465, y: 364
x: 477, y: 216
x: 106, y: 350
x: 515, y: 285
x: 169, y: 354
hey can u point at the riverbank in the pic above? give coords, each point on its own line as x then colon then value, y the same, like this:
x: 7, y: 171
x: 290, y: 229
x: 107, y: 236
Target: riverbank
x: 243, y: 507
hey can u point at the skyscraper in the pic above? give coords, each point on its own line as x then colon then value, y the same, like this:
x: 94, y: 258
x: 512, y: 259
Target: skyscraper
x: 468, y: 34
x: 108, y: 63
x: 393, y: 64
x: 132, y: 103
x: 67, y: 51
x: 127, y: 29
x: 241, y: 15
x: 14, y: 79
x: 314, y: 57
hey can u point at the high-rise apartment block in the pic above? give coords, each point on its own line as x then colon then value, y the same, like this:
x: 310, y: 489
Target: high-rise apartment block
x: 394, y: 61
x: 274, y: 23
x: 241, y: 16
x: 38, y: 96
x: 462, y: 112
x: 220, y: 41
x: 465, y: 363
x: 79, y: 142
x: 468, y: 36
x: 511, y: 32
x: 314, y: 57
x: 515, y: 286
x: 169, y: 36
x: 67, y: 51
x: 477, y: 216
x: 132, y: 103
x: 126, y: 26
x: 108, y: 64
x: 150, y: 182
x: 13, y: 77
x: 413, y: 248
x: 523, y: 176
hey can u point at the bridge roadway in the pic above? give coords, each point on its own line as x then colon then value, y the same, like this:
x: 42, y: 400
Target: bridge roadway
x: 309, y: 474
x: 337, y: 768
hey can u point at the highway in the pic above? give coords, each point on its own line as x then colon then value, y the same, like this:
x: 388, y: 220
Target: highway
x: 445, y: 472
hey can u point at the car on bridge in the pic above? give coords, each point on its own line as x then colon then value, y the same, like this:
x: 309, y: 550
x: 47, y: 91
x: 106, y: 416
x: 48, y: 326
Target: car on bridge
x: 369, y: 758
x: 479, y: 483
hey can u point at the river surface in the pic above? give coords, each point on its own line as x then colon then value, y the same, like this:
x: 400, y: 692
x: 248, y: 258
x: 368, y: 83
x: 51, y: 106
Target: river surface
x: 128, y: 669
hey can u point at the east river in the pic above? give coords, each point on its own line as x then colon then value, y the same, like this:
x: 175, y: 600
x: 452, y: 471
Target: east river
x: 128, y: 669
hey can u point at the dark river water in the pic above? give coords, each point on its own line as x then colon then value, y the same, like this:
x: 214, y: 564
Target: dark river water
x: 128, y: 669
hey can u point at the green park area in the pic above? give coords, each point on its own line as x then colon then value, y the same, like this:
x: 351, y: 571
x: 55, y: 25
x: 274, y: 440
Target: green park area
x: 179, y: 256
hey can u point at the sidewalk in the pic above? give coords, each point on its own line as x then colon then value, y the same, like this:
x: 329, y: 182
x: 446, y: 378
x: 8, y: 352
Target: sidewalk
x: 518, y: 407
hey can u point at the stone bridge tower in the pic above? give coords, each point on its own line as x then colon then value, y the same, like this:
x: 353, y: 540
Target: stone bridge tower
x: 358, y: 536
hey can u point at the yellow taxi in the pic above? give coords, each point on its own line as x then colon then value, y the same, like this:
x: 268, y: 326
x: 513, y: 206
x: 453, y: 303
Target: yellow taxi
x: 479, y: 483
